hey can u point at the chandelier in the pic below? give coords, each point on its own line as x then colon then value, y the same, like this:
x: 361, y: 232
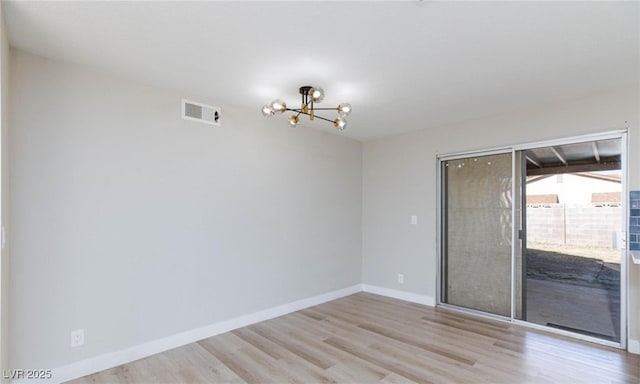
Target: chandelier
x: 310, y: 95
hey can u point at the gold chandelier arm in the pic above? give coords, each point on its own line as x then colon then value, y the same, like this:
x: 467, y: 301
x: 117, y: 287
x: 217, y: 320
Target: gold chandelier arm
x: 309, y: 114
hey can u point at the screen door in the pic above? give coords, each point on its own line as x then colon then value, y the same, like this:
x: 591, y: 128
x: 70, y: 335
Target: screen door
x: 477, y: 233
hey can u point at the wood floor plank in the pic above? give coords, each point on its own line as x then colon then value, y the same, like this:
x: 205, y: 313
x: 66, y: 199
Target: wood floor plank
x: 308, y: 373
x: 413, y: 335
x: 265, y: 345
x: 401, y: 337
x: 367, y: 355
x: 393, y: 378
x: 439, y: 371
x: 354, y: 370
x: 241, y: 367
x: 307, y: 351
x: 365, y: 338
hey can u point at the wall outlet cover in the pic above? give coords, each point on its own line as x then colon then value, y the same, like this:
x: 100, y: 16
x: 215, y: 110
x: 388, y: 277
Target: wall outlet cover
x: 77, y: 337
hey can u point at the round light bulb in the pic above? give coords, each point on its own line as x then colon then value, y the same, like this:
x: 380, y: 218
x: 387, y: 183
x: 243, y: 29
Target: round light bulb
x: 294, y: 120
x: 340, y: 123
x: 316, y: 94
x: 344, y: 109
x: 278, y: 106
x: 267, y: 111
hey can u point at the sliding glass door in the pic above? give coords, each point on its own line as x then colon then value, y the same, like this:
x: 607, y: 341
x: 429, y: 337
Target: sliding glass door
x: 534, y: 234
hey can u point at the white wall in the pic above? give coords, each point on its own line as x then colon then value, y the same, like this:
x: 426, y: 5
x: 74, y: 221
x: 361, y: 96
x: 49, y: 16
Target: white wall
x: 399, y: 180
x: 4, y: 194
x: 134, y: 224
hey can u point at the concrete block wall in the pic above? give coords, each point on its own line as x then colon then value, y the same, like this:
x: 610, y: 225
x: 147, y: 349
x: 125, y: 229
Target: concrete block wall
x: 583, y: 226
x: 546, y: 225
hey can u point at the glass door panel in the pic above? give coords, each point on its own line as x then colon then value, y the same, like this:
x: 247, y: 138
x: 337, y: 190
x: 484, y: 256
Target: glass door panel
x: 572, y: 223
x: 477, y: 233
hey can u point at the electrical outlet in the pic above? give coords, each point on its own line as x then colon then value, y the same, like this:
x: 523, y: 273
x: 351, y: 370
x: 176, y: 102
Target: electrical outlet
x: 77, y: 337
x: 414, y: 220
x: 400, y: 278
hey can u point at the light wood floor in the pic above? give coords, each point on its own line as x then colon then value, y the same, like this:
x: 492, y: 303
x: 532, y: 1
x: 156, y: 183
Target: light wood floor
x: 366, y: 338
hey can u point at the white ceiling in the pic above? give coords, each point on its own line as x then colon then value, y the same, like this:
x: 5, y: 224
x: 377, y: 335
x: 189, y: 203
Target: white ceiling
x: 403, y: 65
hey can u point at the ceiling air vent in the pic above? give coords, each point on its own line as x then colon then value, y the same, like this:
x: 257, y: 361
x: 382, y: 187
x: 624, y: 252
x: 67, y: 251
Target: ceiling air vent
x: 200, y: 112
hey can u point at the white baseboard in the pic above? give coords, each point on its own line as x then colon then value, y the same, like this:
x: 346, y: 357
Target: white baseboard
x: 633, y: 346
x: 401, y: 295
x: 114, y: 359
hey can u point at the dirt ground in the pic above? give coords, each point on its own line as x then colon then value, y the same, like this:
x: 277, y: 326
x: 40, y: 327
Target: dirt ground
x: 608, y: 255
x: 584, y: 266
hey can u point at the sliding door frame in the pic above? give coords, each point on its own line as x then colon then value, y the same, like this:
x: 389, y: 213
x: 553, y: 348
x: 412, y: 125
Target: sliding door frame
x: 441, y: 226
x: 515, y: 150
